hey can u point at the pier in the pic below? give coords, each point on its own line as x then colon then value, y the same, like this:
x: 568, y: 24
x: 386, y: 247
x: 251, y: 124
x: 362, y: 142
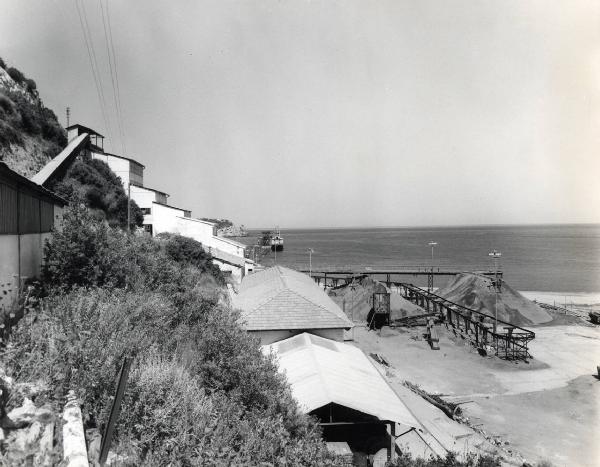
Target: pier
x: 507, y: 340
x: 332, y: 277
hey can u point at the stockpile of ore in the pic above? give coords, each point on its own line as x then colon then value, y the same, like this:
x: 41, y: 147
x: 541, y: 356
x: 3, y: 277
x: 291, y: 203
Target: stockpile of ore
x: 477, y: 292
x: 355, y: 299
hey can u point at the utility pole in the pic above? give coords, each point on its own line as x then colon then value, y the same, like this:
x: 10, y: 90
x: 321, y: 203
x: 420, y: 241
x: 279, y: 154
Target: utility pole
x: 129, y: 207
x: 310, y: 252
x: 497, y: 282
x: 68, y: 116
x: 430, y: 276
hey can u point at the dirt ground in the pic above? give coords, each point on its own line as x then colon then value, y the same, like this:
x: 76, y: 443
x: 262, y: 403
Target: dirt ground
x: 547, y: 409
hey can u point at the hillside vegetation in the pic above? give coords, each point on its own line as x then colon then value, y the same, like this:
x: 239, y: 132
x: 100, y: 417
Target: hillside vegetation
x: 200, y: 390
x: 92, y: 182
x: 30, y: 134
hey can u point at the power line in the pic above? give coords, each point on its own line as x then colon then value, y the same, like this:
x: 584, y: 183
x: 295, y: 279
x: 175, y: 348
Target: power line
x: 89, y: 31
x: 112, y: 75
x: 93, y: 62
x: 112, y: 46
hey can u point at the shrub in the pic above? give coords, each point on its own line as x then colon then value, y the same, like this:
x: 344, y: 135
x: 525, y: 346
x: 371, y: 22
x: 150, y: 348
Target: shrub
x: 81, y: 253
x: 30, y: 86
x: 188, y: 251
x: 2, y: 64
x: 6, y: 105
x: 405, y: 459
x: 15, y: 74
x: 200, y: 391
x: 87, y: 252
x: 92, y: 181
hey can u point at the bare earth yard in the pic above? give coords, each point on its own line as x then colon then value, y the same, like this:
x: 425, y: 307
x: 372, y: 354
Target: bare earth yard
x: 547, y: 409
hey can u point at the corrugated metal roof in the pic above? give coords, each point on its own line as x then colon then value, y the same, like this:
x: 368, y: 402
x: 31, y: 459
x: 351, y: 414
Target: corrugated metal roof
x: 122, y: 157
x: 18, y: 179
x: 225, y: 257
x: 281, y: 298
x: 61, y: 161
x: 322, y: 371
x: 84, y: 128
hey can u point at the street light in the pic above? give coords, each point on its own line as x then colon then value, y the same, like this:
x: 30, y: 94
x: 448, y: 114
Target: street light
x: 496, y: 256
x: 310, y: 252
x: 430, y: 278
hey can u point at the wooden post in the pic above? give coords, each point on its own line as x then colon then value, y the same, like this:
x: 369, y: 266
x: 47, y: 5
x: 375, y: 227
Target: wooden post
x: 114, y: 411
x: 392, y: 455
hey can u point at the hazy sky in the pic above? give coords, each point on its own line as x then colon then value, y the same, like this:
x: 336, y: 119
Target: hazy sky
x: 338, y: 113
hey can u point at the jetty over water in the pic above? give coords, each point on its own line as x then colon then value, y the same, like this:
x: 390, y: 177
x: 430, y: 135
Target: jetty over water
x: 506, y: 340
x: 333, y: 277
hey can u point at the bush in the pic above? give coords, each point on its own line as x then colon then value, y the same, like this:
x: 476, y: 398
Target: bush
x: 15, y: 74
x: 81, y: 254
x: 6, y: 105
x: 188, y: 251
x: 405, y: 459
x: 21, y: 116
x: 200, y: 392
x: 30, y: 86
x: 87, y: 252
x: 2, y: 64
x: 92, y: 181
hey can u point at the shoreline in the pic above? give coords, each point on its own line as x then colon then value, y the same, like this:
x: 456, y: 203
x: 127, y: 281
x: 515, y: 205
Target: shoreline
x: 559, y: 298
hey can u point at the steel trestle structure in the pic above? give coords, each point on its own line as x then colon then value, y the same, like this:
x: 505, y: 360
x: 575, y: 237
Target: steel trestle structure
x: 511, y: 343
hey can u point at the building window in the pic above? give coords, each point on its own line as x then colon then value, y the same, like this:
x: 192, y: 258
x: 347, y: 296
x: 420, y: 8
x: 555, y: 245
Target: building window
x: 148, y: 228
x: 146, y: 211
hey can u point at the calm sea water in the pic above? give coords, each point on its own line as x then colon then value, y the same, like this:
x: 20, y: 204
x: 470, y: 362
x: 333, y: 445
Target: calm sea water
x: 557, y: 258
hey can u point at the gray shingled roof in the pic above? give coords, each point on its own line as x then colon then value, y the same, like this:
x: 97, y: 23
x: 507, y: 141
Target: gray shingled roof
x: 281, y: 298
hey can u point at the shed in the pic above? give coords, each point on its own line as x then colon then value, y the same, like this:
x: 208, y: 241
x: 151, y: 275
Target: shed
x: 278, y: 303
x: 28, y: 213
x: 338, y: 384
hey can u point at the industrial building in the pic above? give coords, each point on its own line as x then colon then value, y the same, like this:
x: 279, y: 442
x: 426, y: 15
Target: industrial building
x: 159, y: 216
x: 28, y: 213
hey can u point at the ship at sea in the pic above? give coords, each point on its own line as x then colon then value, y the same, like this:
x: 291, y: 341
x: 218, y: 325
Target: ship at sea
x: 271, y: 240
x: 277, y: 241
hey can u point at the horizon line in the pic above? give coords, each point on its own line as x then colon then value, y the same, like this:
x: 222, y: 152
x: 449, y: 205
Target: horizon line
x: 541, y: 224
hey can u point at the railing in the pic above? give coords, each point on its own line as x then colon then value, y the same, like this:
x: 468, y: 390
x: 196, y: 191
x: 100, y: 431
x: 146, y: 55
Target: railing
x: 397, y: 269
x: 511, y: 344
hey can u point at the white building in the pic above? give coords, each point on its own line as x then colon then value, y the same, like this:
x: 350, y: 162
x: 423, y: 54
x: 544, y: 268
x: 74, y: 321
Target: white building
x: 159, y: 216
x: 128, y: 170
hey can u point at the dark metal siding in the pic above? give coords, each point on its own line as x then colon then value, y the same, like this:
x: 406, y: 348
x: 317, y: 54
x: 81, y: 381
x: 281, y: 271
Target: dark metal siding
x: 8, y: 209
x: 24, y: 213
x: 46, y: 216
x: 29, y: 214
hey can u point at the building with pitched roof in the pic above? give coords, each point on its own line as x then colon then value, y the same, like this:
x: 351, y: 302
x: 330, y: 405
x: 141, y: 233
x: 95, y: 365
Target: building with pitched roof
x: 28, y: 213
x: 339, y: 385
x: 278, y: 303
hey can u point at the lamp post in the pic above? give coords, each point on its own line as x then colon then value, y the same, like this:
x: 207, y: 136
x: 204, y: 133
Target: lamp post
x: 129, y: 207
x: 310, y: 252
x: 496, y: 256
x: 430, y: 278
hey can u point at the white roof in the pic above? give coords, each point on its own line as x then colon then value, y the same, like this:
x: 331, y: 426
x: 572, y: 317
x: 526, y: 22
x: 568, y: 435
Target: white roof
x: 321, y: 371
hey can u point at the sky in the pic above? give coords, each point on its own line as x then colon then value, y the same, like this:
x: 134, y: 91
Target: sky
x: 336, y: 113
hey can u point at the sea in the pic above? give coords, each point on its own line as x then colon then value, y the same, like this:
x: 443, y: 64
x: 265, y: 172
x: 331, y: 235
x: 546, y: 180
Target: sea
x: 558, y: 262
